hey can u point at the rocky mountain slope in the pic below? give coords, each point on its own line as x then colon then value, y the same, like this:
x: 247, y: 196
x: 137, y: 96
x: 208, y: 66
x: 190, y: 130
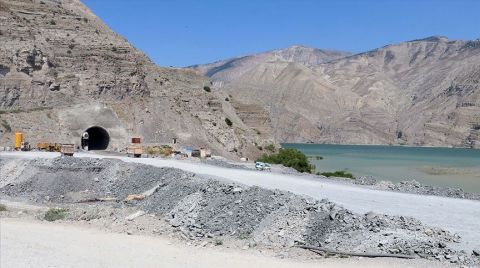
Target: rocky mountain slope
x: 422, y: 92
x: 62, y: 70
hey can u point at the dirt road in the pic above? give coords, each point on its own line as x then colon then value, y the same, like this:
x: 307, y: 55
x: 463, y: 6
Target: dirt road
x: 25, y: 243
x: 457, y: 215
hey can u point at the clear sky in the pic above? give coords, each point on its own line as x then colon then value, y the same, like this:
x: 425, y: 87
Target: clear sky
x: 187, y: 32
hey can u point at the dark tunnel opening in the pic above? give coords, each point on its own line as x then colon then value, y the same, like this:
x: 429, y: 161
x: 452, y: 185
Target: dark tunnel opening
x: 98, y: 139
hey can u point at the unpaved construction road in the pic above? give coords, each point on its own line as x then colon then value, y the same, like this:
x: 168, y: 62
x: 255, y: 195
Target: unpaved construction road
x: 460, y: 216
x: 27, y: 243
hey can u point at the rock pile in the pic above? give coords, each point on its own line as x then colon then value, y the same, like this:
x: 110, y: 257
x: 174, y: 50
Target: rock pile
x: 415, y: 187
x: 203, y: 208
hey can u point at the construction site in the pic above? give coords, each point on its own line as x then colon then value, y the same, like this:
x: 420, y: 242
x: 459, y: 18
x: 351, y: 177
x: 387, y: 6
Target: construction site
x: 137, y: 191
x: 108, y: 160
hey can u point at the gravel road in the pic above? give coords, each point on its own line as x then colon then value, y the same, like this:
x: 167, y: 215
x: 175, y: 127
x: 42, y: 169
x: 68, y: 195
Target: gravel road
x: 460, y: 216
x: 26, y: 243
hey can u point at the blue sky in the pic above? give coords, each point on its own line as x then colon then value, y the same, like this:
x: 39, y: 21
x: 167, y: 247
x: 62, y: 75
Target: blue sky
x: 182, y: 33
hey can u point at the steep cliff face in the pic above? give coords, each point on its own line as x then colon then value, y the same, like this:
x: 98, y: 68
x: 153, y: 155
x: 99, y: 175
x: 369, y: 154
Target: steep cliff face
x: 62, y: 70
x: 422, y: 92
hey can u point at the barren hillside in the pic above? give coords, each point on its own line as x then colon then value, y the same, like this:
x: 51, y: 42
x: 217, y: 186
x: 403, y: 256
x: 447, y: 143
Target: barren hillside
x: 422, y: 92
x: 62, y: 71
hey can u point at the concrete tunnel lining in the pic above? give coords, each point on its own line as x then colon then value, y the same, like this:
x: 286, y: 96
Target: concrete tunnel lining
x: 98, y: 138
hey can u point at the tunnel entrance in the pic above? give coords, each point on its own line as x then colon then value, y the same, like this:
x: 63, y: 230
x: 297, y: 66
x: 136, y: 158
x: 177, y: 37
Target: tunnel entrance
x: 95, y: 138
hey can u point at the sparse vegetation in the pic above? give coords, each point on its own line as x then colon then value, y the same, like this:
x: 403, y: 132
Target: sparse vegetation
x: 271, y: 148
x: 6, y: 125
x: 3, y: 207
x: 164, y: 150
x: 19, y: 110
x: 207, y: 89
x: 244, y: 236
x: 229, y: 122
x: 227, y: 99
x: 55, y: 214
x: 52, y: 22
x: 218, y: 242
x: 71, y: 46
x: 338, y: 173
x: 290, y: 158
x: 69, y: 52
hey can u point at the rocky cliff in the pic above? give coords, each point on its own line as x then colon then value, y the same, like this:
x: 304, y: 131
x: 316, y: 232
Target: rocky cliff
x: 422, y: 92
x: 62, y: 70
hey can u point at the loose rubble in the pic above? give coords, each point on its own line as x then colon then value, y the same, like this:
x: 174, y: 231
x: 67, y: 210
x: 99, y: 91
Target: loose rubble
x: 416, y: 187
x: 209, y: 211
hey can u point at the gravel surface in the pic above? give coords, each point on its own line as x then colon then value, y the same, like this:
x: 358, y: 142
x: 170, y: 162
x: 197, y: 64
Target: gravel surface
x: 202, y: 208
x: 416, y: 187
x: 44, y: 246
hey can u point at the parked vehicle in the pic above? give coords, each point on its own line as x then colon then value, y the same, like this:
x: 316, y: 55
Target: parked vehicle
x: 134, y: 151
x: 67, y: 149
x: 263, y: 166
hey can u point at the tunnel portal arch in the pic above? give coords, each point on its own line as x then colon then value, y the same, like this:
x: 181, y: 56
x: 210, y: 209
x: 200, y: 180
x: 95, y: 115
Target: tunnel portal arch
x: 96, y: 138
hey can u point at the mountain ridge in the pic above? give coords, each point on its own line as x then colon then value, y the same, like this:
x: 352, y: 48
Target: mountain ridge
x: 369, y: 97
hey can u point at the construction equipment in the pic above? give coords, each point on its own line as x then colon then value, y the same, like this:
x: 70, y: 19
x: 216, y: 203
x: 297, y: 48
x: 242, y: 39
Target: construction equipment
x: 135, y: 151
x: 67, y: 149
x: 25, y: 146
x: 49, y: 147
x: 18, y: 140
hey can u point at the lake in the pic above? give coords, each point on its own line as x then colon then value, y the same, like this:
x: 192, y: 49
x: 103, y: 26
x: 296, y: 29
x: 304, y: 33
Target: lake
x: 453, y: 167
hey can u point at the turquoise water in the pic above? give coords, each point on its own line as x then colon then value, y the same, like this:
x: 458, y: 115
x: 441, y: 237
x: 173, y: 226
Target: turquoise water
x: 453, y: 167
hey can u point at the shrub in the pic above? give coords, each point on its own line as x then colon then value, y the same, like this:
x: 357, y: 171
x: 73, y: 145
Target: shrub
x: 319, y: 157
x: 271, y: 148
x: 290, y: 158
x: 55, y: 214
x: 338, y: 173
x: 3, y: 207
x: 227, y: 99
x: 229, y: 122
x: 218, y: 242
x: 207, y: 89
x: 52, y: 22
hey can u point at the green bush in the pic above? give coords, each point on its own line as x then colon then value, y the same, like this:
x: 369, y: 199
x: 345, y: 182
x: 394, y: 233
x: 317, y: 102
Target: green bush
x: 229, y: 122
x: 55, y: 214
x: 3, y: 207
x: 338, y: 173
x: 290, y: 158
x: 271, y: 148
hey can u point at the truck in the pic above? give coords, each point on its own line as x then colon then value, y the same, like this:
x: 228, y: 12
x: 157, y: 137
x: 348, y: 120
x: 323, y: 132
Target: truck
x: 67, y: 149
x: 134, y: 151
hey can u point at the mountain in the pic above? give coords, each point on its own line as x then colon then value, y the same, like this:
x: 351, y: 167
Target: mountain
x: 422, y: 92
x: 62, y: 70
x: 225, y: 71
